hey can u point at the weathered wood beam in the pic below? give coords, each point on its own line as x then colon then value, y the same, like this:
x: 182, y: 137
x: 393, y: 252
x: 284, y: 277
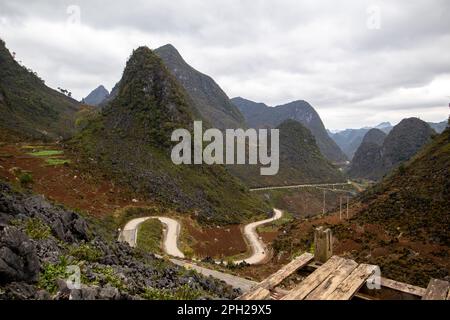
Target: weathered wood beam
x: 287, y: 270
x: 333, y: 281
x: 257, y: 294
x: 314, y: 279
x: 403, y: 287
x: 348, y: 288
x: 437, y: 290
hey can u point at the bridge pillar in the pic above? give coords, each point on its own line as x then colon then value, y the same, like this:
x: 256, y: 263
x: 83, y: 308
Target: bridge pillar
x: 323, y: 244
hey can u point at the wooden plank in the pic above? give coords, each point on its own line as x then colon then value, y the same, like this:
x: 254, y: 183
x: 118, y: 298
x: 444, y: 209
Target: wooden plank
x: 258, y: 294
x: 332, y: 281
x: 276, y: 278
x: 403, y: 287
x: 314, y: 279
x: 352, y: 283
x: 436, y: 290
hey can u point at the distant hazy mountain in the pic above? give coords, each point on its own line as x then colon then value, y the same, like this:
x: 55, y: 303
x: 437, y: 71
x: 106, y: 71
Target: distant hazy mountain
x: 97, y: 96
x: 210, y: 100
x: 373, y: 161
x: 439, y: 127
x: 28, y: 107
x: 384, y: 126
x: 350, y: 139
x: 259, y: 115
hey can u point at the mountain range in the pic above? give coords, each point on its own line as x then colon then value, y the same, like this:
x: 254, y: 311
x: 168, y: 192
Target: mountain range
x: 350, y: 139
x: 131, y: 140
x: 259, y: 115
x: 378, y: 155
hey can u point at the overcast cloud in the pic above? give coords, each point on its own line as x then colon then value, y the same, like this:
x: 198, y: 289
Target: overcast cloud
x: 331, y: 54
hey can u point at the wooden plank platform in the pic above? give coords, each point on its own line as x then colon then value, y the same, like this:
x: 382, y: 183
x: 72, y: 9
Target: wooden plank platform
x: 437, y: 290
x: 337, y: 279
x: 278, y: 277
x: 348, y: 288
x: 333, y: 281
x: 314, y: 279
x: 275, y: 279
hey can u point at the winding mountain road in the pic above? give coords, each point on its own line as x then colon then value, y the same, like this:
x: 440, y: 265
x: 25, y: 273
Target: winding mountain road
x: 259, y: 249
x: 172, y: 233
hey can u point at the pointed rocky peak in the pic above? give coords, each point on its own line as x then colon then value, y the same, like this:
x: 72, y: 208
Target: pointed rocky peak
x: 209, y: 99
x: 97, y: 96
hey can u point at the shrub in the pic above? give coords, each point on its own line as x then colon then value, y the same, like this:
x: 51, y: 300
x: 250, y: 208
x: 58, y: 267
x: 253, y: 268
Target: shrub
x: 108, y: 275
x: 25, y: 178
x: 85, y: 252
x: 51, y: 272
x: 36, y: 229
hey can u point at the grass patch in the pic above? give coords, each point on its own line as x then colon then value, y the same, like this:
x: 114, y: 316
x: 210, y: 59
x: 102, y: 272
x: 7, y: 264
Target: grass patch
x: 275, y: 225
x: 56, y: 161
x: 34, y: 228
x: 181, y: 293
x: 149, y: 236
x: 108, y: 275
x: 46, y: 153
x: 85, y: 252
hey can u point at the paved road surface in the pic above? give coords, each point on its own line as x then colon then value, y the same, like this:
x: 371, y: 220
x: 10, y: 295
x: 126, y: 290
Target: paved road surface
x: 171, y: 234
x: 258, y: 248
x: 234, y: 281
x: 302, y: 186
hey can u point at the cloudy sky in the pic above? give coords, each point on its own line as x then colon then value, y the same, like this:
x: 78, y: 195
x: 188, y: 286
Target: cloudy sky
x: 358, y: 63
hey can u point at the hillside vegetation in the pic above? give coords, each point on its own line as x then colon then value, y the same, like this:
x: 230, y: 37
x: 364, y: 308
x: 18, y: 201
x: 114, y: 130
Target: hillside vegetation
x: 130, y: 141
x: 30, y: 109
x: 300, y: 161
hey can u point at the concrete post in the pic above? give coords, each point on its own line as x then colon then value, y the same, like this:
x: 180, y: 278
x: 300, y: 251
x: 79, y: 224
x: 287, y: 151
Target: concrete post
x: 323, y: 244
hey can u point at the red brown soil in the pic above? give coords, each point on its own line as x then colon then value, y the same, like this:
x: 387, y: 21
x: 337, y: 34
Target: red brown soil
x: 399, y: 257
x: 64, y: 183
x: 217, y: 242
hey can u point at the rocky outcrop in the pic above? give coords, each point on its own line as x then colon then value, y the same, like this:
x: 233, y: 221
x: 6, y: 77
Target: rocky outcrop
x: 18, y: 258
x: 38, y: 241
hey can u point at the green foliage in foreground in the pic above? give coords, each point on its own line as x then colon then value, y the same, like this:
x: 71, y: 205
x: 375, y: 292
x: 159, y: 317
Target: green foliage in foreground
x: 34, y: 228
x: 85, y: 252
x: 181, y: 293
x: 51, y: 272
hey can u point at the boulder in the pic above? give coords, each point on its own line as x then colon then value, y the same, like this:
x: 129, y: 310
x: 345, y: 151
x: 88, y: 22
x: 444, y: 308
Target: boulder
x: 18, y: 258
